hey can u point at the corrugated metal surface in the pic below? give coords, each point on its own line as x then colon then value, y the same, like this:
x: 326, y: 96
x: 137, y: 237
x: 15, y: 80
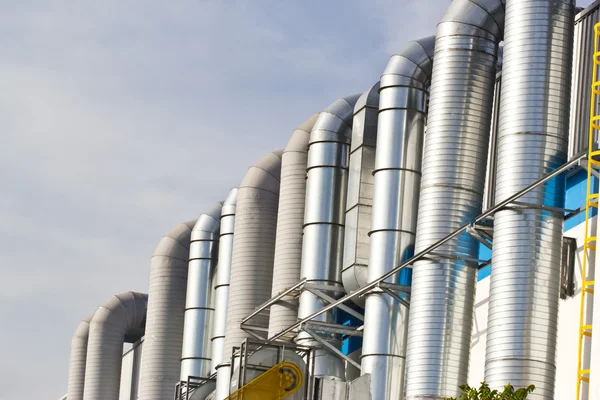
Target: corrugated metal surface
x: 582, y: 78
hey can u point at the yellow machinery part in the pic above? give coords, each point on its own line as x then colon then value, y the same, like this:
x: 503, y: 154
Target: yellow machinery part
x: 278, y: 382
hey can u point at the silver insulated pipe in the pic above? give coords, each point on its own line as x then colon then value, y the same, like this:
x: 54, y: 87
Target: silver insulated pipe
x: 288, y: 242
x: 327, y: 182
x: 532, y: 142
x: 253, y: 247
x: 454, y: 166
x: 397, y: 177
x: 221, y: 293
x: 107, y: 333
x: 79, y: 344
x: 199, y: 305
x: 166, y: 303
x: 359, y: 199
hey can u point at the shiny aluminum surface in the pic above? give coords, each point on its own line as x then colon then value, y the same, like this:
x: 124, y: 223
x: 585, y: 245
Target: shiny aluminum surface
x: 290, y: 219
x: 107, y: 331
x: 360, y: 192
x: 452, y: 185
x: 199, y: 304
x: 221, y: 293
x: 327, y: 182
x: 532, y: 142
x: 253, y: 247
x: 397, y: 178
x: 161, y: 358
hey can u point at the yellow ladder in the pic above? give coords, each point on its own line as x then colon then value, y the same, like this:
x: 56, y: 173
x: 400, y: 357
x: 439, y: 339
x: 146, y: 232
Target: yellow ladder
x: 589, y: 244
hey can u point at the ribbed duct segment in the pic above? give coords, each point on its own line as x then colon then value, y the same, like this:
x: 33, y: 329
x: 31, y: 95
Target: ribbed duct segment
x: 532, y: 142
x: 397, y: 177
x: 112, y: 321
x: 454, y: 164
x: 288, y: 242
x: 253, y: 247
x: 221, y: 290
x: 79, y: 344
x: 360, y: 192
x: 199, y: 305
x: 166, y: 304
x: 327, y: 182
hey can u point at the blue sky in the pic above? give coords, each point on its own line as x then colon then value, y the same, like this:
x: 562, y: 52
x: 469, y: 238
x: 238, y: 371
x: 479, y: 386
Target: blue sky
x: 122, y: 118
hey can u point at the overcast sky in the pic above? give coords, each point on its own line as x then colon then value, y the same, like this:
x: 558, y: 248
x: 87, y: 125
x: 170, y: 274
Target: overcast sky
x: 122, y: 118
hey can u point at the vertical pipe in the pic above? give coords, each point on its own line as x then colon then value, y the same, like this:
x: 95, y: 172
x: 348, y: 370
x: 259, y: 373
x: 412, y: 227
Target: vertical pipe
x: 327, y: 181
x: 359, y: 201
x: 79, y: 344
x: 253, y: 246
x: 221, y: 290
x: 166, y: 303
x: 397, y: 176
x: 199, y: 307
x: 451, y: 194
x: 532, y: 142
x: 108, y: 329
x: 288, y: 242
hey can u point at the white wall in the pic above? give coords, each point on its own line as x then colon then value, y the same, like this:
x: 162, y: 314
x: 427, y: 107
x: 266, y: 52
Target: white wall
x: 567, y: 331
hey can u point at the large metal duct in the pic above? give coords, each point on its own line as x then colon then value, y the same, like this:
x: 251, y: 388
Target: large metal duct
x: 454, y: 165
x: 221, y: 293
x: 253, y: 247
x: 397, y: 177
x: 288, y: 242
x: 360, y: 192
x: 79, y: 344
x: 532, y: 142
x: 199, y: 305
x: 121, y: 315
x: 166, y: 303
x: 322, y: 246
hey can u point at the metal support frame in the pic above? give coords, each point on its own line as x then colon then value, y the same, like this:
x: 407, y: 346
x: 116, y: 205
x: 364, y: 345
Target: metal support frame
x: 184, y: 389
x: 481, y: 219
x: 329, y: 346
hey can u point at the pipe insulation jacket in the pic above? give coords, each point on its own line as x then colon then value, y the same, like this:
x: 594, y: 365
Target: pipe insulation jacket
x: 79, y: 344
x: 199, y: 304
x: 322, y: 245
x: 221, y: 291
x: 397, y: 177
x: 161, y: 355
x: 253, y: 247
x: 532, y: 142
x: 107, y: 331
x: 288, y: 242
x: 451, y: 194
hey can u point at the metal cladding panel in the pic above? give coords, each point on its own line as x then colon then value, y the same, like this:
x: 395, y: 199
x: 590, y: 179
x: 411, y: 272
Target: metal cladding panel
x: 166, y: 304
x: 322, y: 246
x: 397, y: 176
x: 253, y: 247
x: 532, y: 142
x: 199, y: 305
x: 108, y: 329
x: 582, y: 78
x: 290, y: 219
x: 452, y: 186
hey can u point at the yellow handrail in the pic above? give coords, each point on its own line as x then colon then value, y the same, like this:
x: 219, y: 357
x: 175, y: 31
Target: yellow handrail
x: 589, y: 246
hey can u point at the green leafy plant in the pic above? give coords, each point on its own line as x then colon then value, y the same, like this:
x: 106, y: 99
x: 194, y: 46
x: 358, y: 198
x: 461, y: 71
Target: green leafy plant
x: 485, y: 393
